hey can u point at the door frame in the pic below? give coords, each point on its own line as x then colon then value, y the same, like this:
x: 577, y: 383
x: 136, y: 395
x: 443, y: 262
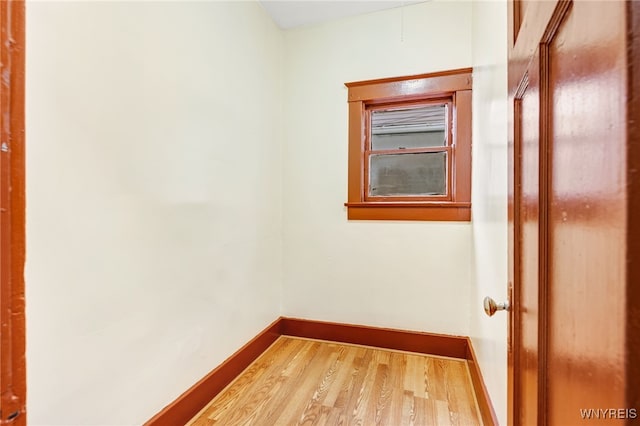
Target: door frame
x: 12, y: 213
x: 633, y: 202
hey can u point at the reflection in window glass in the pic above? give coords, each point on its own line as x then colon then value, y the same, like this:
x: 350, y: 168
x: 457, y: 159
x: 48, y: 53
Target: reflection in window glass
x: 421, y: 174
x: 411, y: 127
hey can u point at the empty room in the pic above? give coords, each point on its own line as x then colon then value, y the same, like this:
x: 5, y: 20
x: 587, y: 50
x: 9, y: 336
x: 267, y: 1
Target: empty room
x: 319, y: 212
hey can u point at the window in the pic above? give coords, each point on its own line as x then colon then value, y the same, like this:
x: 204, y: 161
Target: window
x: 410, y: 148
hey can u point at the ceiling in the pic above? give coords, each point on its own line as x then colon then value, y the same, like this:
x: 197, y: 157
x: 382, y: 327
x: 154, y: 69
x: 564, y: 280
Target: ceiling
x: 290, y: 14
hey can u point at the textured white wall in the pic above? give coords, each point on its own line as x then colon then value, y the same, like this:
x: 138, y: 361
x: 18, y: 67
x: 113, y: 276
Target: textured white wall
x: 155, y: 205
x: 154, y: 224
x: 489, y: 335
x: 412, y: 275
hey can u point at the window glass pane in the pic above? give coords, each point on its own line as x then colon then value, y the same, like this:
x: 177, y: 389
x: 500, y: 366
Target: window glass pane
x: 408, y: 174
x: 416, y: 127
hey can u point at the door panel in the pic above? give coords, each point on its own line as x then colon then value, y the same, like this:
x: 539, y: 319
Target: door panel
x: 587, y: 211
x: 527, y: 205
x: 572, y: 188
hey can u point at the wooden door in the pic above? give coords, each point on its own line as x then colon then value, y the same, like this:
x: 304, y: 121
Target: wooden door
x: 573, y: 211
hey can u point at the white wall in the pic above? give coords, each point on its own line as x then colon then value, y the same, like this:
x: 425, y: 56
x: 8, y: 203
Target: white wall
x: 163, y: 225
x: 409, y: 275
x: 154, y: 224
x: 489, y: 335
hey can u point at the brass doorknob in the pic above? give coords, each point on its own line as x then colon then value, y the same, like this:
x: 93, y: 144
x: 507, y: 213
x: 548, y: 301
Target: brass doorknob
x: 491, y: 307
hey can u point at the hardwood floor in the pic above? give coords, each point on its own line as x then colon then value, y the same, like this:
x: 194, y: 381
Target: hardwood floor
x: 309, y: 382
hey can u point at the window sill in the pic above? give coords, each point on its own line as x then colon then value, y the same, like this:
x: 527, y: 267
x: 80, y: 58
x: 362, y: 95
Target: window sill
x: 431, y: 211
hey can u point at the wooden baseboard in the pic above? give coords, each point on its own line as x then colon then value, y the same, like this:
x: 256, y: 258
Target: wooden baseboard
x: 187, y: 405
x: 401, y: 340
x: 482, y: 395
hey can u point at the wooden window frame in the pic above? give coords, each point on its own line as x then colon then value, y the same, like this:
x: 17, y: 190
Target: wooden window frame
x: 364, y: 96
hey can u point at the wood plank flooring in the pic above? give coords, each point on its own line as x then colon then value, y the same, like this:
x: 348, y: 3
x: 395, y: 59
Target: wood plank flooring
x: 309, y: 382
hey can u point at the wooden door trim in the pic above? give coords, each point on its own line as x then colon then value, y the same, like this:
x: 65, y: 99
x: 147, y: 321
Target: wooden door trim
x: 187, y: 405
x: 544, y: 178
x: 514, y: 203
x: 558, y: 16
x: 632, y: 393
x: 529, y: 35
x: 12, y: 211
